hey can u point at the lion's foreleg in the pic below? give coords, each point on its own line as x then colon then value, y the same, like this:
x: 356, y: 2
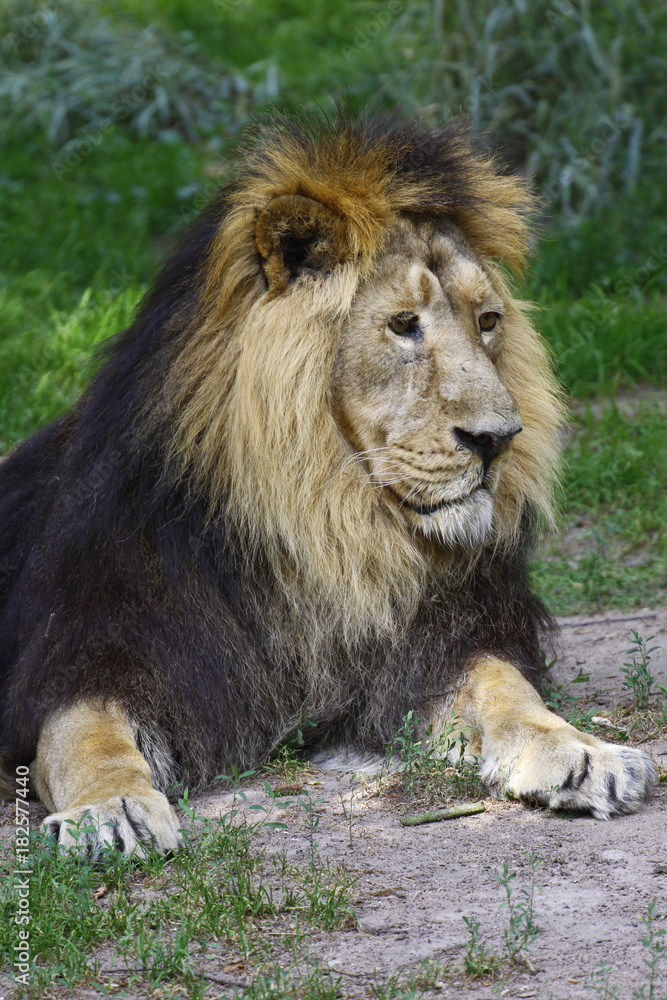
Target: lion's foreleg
x: 530, y: 752
x: 89, y: 771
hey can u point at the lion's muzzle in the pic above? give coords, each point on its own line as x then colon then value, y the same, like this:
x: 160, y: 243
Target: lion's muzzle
x: 486, y: 443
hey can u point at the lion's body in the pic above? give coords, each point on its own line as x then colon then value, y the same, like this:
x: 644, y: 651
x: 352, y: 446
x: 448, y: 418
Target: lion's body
x: 270, y: 504
x: 179, y: 630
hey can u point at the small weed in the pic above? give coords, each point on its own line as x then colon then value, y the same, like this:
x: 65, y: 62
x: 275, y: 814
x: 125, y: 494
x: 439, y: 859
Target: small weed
x: 429, y: 974
x: 327, y: 892
x: 655, y: 953
x: 479, y: 957
x: 324, y: 892
x: 584, y: 721
x: 407, y: 748
x: 638, y: 678
x: 288, y: 762
x: 288, y: 765
x: 308, y: 979
x: 401, y: 985
x: 559, y: 696
x: 311, y: 822
x: 348, y: 812
x: 598, y: 982
x: 433, y: 768
x: 523, y: 928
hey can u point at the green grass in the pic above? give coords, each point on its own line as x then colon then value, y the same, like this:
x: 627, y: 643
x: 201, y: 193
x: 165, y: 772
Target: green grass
x: 601, y: 343
x: 229, y: 911
x: 166, y: 919
x: 43, y: 370
x: 612, y: 548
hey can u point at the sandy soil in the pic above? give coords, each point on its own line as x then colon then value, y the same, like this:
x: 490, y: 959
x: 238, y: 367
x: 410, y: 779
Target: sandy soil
x: 415, y: 885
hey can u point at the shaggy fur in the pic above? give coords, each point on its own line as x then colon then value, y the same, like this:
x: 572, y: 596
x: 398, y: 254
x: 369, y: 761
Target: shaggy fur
x: 193, y: 539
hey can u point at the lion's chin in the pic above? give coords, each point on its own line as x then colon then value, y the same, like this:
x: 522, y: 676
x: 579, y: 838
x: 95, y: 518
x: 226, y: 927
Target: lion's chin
x: 466, y: 522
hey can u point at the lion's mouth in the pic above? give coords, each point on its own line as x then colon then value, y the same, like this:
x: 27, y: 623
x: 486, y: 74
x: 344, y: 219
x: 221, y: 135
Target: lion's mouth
x: 428, y: 509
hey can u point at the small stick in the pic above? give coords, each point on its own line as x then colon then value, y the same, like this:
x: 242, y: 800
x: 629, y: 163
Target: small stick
x: 467, y: 809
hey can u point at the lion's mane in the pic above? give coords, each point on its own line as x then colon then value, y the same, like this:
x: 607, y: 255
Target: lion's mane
x: 194, y: 540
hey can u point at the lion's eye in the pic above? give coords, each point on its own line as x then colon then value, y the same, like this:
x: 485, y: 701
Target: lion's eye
x: 487, y: 321
x: 405, y: 325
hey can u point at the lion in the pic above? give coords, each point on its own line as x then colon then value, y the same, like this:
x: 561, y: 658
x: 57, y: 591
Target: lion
x: 303, y: 483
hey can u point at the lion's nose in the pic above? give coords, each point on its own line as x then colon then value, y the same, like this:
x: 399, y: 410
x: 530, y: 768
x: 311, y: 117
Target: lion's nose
x: 486, y: 444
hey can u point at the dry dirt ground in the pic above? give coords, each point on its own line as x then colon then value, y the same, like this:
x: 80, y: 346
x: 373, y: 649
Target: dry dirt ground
x: 415, y: 885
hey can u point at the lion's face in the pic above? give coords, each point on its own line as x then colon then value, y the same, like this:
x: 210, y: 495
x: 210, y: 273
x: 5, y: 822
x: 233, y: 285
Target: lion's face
x: 416, y: 389
x: 355, y: 378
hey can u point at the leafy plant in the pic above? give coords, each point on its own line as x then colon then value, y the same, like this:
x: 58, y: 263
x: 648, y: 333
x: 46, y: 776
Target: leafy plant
x: 655, y: 953
x: 432, y: 767
x: 479, y: 957
x: 559, y: 696
x: 638, y: 678
x: 523, y: 927
x: 599, y: 983
x: 311, y: 823
x: 400, y: 985
x: 289, y: 761
x: 348, y: 811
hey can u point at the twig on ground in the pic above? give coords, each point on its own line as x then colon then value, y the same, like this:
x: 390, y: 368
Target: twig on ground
x: 467, y: 809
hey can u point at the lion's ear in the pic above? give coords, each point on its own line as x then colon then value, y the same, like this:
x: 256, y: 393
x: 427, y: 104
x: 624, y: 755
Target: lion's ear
x: 296, y: 234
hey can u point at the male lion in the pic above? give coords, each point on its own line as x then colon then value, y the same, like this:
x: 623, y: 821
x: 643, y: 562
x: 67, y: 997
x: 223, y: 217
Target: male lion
x: 302, y: 484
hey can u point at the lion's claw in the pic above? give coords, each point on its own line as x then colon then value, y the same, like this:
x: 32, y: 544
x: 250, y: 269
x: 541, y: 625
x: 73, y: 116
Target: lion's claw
x: 131, y: 824
x: 571, y: 770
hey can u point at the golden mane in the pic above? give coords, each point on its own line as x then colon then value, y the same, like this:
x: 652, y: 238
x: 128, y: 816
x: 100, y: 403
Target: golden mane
x: 249, y: 388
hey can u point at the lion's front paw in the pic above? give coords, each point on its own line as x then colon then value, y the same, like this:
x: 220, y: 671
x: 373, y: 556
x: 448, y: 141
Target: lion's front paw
x: 131, y: 823
x: 566, y: 769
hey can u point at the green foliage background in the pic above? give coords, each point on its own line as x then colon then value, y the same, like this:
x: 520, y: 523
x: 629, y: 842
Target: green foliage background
x: 118, y: 120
